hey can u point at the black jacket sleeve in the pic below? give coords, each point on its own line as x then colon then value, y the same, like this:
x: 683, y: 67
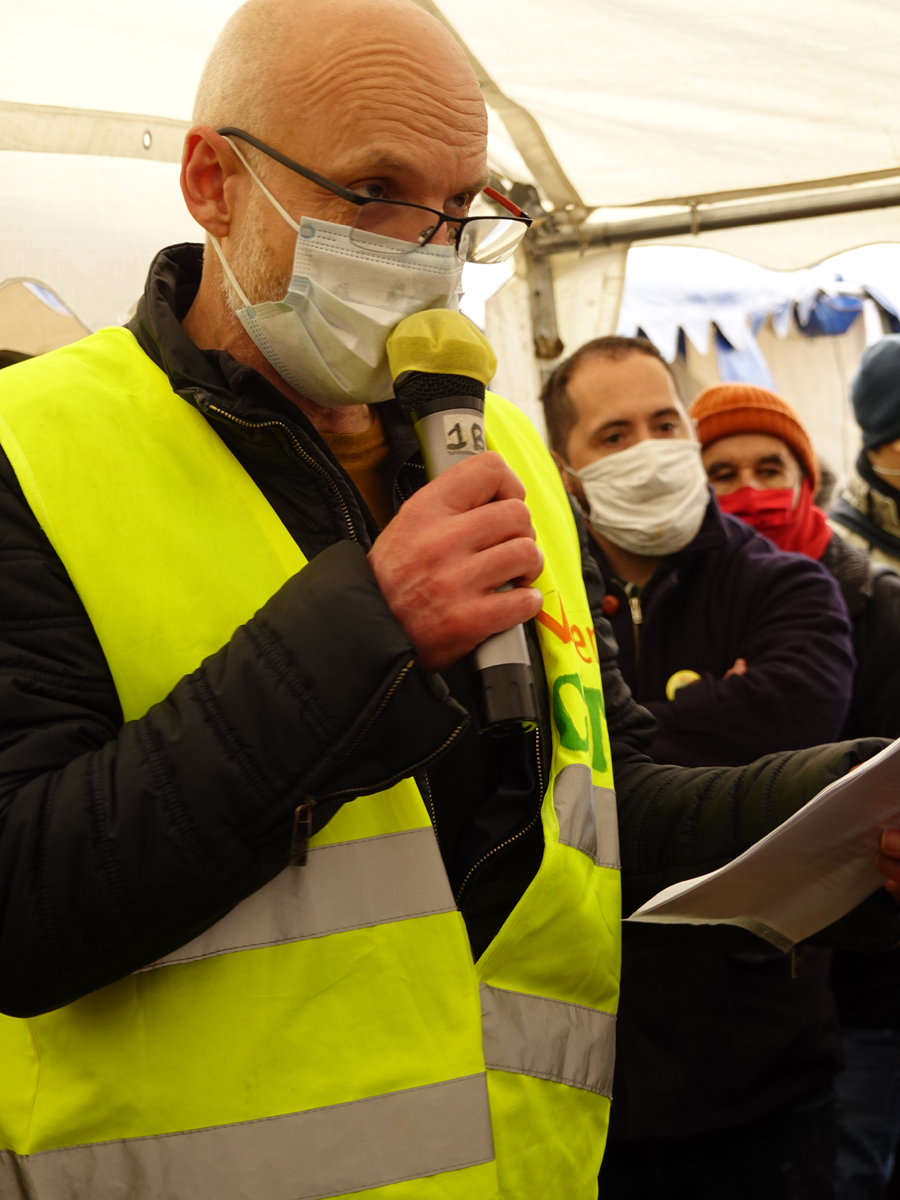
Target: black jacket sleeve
x: 799, y: 681
x: 120, y: 842
x: 877, y: 638
x: 675, y: 823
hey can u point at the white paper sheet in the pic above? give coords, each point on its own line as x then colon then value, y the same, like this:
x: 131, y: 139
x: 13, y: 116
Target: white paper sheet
x: 805, y: 874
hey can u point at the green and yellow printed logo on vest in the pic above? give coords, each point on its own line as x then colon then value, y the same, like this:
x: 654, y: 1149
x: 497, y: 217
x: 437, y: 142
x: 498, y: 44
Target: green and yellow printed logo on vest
x: 578, y: 711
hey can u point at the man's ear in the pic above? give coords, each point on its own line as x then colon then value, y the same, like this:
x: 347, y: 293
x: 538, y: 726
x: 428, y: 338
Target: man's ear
x: 566, y: 477
x: 209, y: 170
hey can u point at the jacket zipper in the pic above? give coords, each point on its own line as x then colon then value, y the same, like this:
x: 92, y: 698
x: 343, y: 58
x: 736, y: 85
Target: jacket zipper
x: 515, y: 837
x: 633, y: 592
x: 398, y: 489
x: 429, y: 804
x: 299, y: 451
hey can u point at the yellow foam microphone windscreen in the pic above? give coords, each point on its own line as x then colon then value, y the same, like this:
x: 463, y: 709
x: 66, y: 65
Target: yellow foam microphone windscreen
x: 440, y: 341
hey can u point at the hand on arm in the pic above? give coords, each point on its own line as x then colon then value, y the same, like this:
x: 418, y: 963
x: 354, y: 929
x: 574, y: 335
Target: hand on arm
x: 791, y: 685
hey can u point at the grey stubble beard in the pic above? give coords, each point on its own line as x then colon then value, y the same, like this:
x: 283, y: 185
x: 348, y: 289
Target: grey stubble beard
x: 252, y: 263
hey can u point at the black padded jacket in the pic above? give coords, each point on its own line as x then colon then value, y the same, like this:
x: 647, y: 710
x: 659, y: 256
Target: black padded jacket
x: 121, y: 841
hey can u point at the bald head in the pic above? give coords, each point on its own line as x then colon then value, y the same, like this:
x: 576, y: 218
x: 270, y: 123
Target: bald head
x: 375, y: 95
x: 280, y: 63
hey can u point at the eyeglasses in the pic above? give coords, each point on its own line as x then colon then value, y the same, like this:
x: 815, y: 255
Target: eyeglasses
x: 476, y: 239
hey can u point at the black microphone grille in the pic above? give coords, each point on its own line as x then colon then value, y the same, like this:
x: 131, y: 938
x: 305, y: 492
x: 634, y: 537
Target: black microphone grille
x: 419, y: 387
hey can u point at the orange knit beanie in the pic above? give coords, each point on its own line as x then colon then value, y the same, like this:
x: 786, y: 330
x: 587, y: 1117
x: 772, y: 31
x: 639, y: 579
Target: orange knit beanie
x: 730, y: 408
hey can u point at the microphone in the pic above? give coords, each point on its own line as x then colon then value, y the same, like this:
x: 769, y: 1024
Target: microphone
x: 441, y: 363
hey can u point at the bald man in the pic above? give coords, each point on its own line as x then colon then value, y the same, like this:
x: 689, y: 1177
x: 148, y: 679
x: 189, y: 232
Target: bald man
x: 275, y: 921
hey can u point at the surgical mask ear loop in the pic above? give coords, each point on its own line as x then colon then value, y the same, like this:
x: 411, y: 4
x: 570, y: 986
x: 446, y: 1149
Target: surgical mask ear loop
x: 215, y: 241
x: 228, y: 271
x: 265, y: 191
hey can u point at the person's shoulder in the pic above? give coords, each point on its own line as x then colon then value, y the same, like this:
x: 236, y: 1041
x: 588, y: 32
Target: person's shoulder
x: 111, y: 350
x: 847, y: 562
x: 885, y: 585
x: 758, y: 558
x: 745, y: 546
x: 874, y: 573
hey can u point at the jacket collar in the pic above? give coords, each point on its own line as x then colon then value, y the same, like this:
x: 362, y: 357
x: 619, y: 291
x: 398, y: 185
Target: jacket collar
x: 873, y: 497
x: 205, y: 377
x: 171, y: 286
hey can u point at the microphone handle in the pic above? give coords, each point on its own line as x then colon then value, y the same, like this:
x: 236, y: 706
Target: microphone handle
x: 448, y: 430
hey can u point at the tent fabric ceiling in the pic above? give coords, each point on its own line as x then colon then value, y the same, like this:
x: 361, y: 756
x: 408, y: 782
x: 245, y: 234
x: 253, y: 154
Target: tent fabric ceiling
x: 641, y: 102
x: 790, y: 245
x: 654, y: 100
x: 638, y: 103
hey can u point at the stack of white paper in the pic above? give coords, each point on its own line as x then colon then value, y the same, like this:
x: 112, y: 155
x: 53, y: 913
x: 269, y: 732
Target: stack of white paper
x: 805, y: 874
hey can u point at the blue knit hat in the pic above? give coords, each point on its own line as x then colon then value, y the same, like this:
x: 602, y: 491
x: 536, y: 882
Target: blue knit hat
x: 875, y: 392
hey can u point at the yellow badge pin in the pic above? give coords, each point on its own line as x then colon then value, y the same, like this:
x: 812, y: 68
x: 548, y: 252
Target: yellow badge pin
x: 680, y: 680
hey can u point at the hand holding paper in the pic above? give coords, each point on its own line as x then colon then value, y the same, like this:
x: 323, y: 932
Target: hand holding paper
x: 809, y: 871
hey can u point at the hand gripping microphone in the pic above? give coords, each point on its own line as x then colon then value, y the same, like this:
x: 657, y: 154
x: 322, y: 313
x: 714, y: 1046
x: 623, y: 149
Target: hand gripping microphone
x: 441, y: 364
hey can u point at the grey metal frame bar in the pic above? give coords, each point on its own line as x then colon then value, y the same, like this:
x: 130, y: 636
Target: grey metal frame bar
x: 724, y: 216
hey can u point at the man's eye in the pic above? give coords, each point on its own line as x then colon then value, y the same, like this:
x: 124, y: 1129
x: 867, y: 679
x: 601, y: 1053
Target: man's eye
x: 458, y: 205
x: 371, y: 191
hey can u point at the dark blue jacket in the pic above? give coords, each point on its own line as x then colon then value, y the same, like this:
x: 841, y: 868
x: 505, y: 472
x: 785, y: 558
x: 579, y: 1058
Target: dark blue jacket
x: 731, y: 594
x: 712, y: 1041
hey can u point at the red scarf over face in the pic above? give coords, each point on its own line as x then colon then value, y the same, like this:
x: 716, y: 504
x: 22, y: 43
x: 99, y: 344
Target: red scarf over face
x: 771, y: 511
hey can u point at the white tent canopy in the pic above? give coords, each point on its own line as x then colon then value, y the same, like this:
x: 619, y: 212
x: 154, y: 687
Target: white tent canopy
x: 634, y: 111
x: 653, y: 100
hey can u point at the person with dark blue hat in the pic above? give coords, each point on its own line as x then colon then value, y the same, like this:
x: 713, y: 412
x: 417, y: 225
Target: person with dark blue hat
x: 867, y: 515
x: 867, y: 986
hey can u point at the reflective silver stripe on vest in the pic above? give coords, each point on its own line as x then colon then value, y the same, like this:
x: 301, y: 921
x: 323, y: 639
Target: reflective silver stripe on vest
x: 531, y: 1035
x: 587, y: 815
x: 301, y: 1156
x: 347, y: 885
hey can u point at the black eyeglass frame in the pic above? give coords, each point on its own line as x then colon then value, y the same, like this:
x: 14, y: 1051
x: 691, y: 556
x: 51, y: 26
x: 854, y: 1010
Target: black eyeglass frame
x: 516, y: 213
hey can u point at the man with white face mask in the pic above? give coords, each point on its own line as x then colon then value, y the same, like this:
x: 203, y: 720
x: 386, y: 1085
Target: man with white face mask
x: 737, y: 651
x: 724, y: 1064
x: 275, y: 921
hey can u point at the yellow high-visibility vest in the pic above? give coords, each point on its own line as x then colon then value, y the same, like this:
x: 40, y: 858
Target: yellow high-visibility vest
x: 331, y: 1035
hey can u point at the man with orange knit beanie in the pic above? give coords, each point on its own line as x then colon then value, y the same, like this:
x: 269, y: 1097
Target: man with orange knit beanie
x: 762, y: 466
x: 761, y: 463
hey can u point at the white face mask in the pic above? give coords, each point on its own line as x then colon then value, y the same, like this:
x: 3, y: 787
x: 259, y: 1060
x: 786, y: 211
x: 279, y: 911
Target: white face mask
x: 649, y: 499
x: 327, y: 336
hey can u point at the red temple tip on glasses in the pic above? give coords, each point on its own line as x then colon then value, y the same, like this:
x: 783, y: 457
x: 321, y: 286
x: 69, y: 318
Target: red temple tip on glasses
x: 494, y: 195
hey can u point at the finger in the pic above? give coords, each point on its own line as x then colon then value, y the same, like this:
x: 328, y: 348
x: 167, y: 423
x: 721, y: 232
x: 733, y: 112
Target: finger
x: 894, y: 889
x: 889, y: 842
x: 889, y: 867
x: 513, y: 560
x: 499, y: 611
x: 490, y: 525
x: 474, y: 482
